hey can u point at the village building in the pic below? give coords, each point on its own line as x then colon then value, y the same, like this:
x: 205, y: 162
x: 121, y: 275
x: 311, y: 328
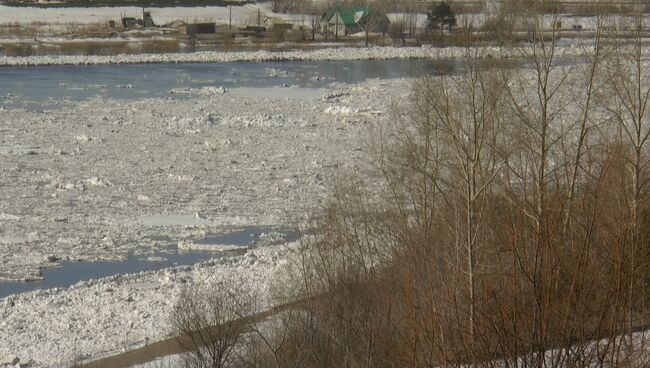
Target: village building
x: 344, y: 20
x: 129, y: 22
x: 146, y: 21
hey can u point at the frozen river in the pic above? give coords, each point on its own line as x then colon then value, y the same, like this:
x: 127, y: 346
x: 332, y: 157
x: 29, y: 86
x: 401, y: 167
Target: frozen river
x: 48, y: 86
x: 38, y: 88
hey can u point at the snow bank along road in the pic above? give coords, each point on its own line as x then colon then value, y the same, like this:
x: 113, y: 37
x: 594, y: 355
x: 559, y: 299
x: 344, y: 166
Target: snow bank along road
x: 345, y: 53
x: 76, y: 183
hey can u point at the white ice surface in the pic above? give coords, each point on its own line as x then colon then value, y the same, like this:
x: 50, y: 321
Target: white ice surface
x: 172, y: 220
x: 188, y: 245
x: 111, y: 175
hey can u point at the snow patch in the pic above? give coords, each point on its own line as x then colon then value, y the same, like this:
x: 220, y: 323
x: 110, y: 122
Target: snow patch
x: 341, y: 110
x: 8, y: 217
x: 173, y: 220
x: 188, y: 245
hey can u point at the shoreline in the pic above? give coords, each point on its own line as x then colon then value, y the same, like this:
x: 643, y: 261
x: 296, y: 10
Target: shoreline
x: 323, y: 54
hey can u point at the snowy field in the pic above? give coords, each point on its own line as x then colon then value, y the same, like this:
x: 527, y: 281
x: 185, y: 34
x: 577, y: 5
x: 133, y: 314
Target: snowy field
x: 88, y: 181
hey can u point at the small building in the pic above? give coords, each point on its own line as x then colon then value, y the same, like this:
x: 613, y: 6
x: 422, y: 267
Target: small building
x: 129, y: 22
x: 277, y: 24
x: 198, y: 28
x: 344, y: 20
x: 147, y: 20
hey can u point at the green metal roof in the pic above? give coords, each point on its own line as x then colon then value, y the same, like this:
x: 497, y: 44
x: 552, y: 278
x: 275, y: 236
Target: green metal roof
x: 346, y: 13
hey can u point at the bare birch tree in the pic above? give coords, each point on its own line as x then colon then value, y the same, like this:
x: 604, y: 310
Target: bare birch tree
x: 630, y: 87
x: 467, y: 113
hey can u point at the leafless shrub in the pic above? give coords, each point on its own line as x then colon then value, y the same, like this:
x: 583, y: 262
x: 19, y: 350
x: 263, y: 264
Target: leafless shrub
x: 498, y: 28
x: 207, y: 320
x: 629, y: 87
x: 278, y: 33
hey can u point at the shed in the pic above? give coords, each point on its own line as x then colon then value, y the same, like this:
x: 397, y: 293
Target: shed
x: 129, y: 22
x: 147, y: 20
x: 198, y: 28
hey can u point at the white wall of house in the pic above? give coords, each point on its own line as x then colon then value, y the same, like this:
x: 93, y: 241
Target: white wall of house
x: 334, y: 22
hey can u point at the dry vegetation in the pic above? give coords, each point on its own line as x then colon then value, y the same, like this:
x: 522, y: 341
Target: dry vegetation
x: 511, y: 228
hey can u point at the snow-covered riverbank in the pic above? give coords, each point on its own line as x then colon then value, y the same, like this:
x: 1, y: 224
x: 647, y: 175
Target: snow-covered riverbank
x: 82, y: 182
x: 343, y: 53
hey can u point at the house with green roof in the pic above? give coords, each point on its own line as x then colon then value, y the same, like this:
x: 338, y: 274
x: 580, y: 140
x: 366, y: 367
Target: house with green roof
x: 346, y: 19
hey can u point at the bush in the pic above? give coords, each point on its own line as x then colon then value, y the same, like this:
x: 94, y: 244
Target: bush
x: 498, y: 28
x: 207, y: 320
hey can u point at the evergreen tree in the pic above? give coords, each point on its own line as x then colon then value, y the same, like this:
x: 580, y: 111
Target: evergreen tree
x: 441, y: 16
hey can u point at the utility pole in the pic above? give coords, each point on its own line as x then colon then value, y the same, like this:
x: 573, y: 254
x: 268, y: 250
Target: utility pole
x: 302, y: 23
x: 327, y: 28
x: 413, y: 21
x: 403, y: 20
x: 336, y: 27
x: 230, y: 17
